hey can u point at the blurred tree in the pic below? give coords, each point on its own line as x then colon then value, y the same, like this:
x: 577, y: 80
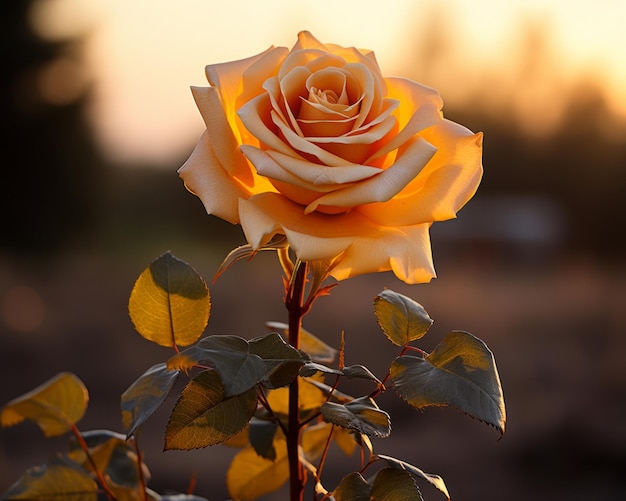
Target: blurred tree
x: 51, y: 167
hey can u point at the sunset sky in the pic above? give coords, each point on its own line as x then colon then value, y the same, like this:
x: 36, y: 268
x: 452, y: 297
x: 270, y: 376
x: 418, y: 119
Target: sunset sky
x: 141, y: 56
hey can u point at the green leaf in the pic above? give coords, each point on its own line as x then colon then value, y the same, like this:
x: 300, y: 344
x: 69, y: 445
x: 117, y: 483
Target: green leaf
x: 239, y: 369
x: 361, y: 372
x: 395, y: 485
x: 170, y: 304
x: 54, y: 406
x: 434, y: 480
x: 204, y: 416
x: 353, y: 487
x: 361, y: 414
x: 351, y: 372
x: 311, y: 368
x: 59, y: 480
x: 282, y: 361
x: 261, y: 435
x: 250, y: 476
x: 460, y: 372
x: 317, y: 349
x: 146, y: 395
x: 401, y: 319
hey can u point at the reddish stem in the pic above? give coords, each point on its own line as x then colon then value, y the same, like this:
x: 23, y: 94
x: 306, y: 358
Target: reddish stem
x: 294, y: 304
x: 142, y: 478
x: 83, y: 445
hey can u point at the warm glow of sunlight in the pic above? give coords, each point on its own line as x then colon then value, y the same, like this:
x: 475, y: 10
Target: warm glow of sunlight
x: 143, y: 55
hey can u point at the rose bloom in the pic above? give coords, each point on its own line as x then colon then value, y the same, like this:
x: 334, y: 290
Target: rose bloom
x: 315, y: 144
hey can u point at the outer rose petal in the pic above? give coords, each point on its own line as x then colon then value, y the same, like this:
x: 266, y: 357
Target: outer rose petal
x: 206, y: 178
x: 446, y: 184
x: 223, y: 142
x: 359, y: 246
x: 240, y: 81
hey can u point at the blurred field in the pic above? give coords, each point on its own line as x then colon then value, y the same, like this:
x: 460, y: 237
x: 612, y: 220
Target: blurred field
x: 555, y: 323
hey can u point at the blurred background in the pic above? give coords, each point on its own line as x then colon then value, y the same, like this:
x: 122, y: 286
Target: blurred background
x: 96, y: 117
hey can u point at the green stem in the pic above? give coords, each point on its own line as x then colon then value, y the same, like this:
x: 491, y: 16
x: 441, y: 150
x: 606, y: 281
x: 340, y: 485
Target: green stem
x: 294, y: 305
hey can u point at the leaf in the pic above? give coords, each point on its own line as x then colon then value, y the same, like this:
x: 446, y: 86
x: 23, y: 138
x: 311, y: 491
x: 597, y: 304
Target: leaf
x: 170, y: 304
x: 113, y: 456
x: 146, y: 395
x: 394, y: 485
x: 54, y: 406
x: 262, y: 435
x: 460, y: 372
x: 282, y: 361
x: 314, y: 440
x: 250, y: 476
x: 353, y: 487
x: 239, y: 369
x: 317, y: 349
x: 310, y: 398
x: 345, y: 440
x: 434, y: 480
x: 203, y: 416
x: 362, y: 415
x: 59, y: 480
x: 401, y: 319
x: 311, y: 368
x: 361, y: 372
x: 351, y: 372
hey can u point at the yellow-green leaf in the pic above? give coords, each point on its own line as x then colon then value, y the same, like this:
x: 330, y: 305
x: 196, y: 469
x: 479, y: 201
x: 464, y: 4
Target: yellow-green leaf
x: 353, y: 487
x: 394, y: 485
x: 434, y: 480
x: 317, y: 349
x: 362, y: 415
x: 401, y: 319
x: 113, y: 456
x: 170, y: 304
x: 310, y: 398
x: 54, y: 406
x: 460, y: 372
x: 251, y: 476
x: 54, y: 482
x: 203, y: 416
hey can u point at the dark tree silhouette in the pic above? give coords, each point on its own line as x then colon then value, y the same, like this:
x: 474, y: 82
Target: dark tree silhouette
x: 50, y: 166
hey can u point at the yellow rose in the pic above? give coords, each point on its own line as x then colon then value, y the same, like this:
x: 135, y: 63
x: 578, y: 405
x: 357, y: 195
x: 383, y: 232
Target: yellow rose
x: 315, y: 144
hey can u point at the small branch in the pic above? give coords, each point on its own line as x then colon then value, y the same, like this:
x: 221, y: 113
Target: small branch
x: 324, y: 454
x: 83, y: 445
x: 266, y: 405
x: 142, y: 478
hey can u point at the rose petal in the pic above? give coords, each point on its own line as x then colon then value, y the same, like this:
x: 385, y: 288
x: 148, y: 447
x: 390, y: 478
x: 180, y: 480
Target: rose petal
x: 204, y: 176
x: 298, y: 143
x: 446, y: 184
x: 307, y: 41
x: 419, y: 108
x: 276, y: 165
x: 406, y: 251
x: 251, y: 114
x: 316, y: 236
x: 228, y: 78
x: 385, y: 185
x: 223, y: 142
